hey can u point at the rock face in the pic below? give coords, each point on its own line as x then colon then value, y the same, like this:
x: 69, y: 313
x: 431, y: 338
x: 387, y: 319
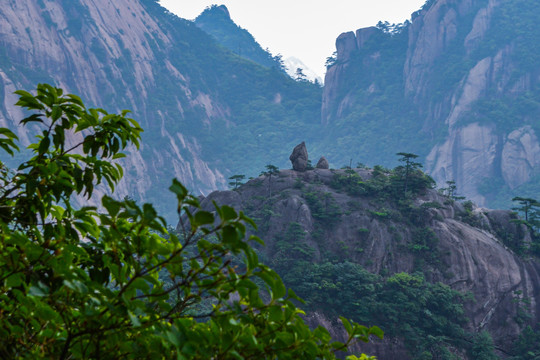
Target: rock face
x: 106, y: 53
x: 461, y: 78
x: 133, y: 54
x: 322, y: 163
x: 520, y: 156
x: 469, y: 154
x: 474, y: 259
x: 299, y: 157
x: 347, y: 44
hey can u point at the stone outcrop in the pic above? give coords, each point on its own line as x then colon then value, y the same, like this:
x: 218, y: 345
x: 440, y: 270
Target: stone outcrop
x: 520, y: 156
x: 322, y: 163
x: 475, y: 152
x: 468, y: 156
x: 474, y: 258
x: 346, y: 45
x: 299, y: 157
x: 364, y: 34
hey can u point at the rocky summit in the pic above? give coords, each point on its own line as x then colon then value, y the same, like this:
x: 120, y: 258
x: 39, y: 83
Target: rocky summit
x: 341, y: 219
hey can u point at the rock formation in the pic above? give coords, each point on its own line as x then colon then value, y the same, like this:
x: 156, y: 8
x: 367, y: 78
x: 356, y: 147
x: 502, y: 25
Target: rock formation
x: 478, y: 99
x: 322, y: 163
x: 473, y: 258
x: 299, y: 157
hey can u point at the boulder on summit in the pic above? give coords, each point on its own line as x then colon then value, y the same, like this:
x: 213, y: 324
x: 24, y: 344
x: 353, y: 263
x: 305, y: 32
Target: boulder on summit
x: 299, y: 157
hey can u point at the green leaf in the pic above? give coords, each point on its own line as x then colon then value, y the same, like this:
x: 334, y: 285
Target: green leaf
x: 346, y: 325
x: 44, y: 145
x: 38, y: 291
x: 375, y: 330
x: 228, y: 213
x: 15, y: 280
x: 134, y: 320
x: 203, y: 218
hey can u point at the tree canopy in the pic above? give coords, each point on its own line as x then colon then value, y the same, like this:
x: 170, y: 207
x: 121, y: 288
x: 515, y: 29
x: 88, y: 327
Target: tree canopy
x: 114, y: 282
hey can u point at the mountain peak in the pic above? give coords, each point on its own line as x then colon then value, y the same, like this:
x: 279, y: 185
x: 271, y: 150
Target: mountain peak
x: 216, y: 10
x: 216, y: 21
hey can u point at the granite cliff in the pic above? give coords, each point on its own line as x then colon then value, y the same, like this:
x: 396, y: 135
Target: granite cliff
x: 463, y: 76
x: 199, y: 103
x: 311, y: 215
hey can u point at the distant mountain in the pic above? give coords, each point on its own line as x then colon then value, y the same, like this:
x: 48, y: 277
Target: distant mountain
x: 292, y: 64
x: 459, y: 85
x: 216, y: 21
x: 207, y: 112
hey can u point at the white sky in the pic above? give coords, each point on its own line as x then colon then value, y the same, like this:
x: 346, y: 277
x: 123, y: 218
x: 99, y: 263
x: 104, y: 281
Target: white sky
x: 301, y: 28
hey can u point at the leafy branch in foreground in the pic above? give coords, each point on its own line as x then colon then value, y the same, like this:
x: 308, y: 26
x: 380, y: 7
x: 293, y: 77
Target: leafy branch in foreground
x: 88, y: 283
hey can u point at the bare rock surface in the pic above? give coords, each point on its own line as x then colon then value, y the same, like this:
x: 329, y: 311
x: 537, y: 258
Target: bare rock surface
x: 520, y: 156
x: 299, y: 157
x: 346, y: 45
x: 322, y: 163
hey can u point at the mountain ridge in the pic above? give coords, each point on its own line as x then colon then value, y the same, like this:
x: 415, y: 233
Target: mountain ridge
x: 216, y: 21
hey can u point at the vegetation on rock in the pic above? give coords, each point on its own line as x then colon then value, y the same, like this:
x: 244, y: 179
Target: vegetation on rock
x: 354, y: 241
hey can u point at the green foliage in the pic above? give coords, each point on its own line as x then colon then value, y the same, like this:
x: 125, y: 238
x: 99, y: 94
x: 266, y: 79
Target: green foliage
x: 271, y: 170
x: 529, y: 209
x: 398, y: 188
x: 87, y: 283
x: 427, y: 315
x: 290, y: 248
x: 323, y: 207
x: 402, y: 182
x: 424, y: 243
x: 351, y: 183
x: 482, y: 347
x: 451, y: 191
x: 515, y: 23
x: 468, y: 216
x: 410, y: 175
x: 237, y: 180
x: 527, y: 347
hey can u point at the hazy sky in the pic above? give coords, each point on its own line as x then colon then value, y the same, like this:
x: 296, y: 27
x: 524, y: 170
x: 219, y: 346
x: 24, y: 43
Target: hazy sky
x: 301, y: 28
